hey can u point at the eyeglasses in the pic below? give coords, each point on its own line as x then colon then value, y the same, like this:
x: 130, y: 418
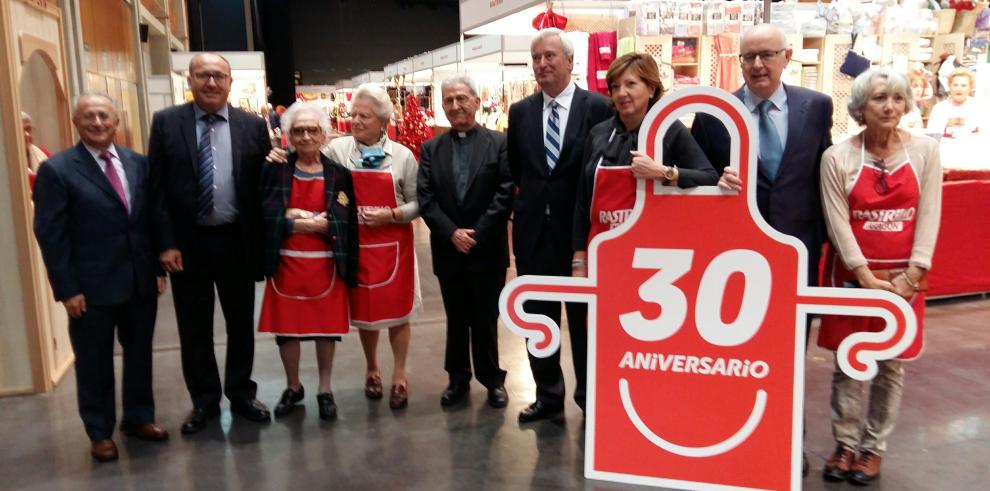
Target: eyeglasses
x: 299, y: 131
x: 89, y: 116
x: 765, y: 56
x: 219, y: 77
x: 880, y: 185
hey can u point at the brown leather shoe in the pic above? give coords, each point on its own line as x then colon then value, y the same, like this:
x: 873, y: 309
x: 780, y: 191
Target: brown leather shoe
x: 838, y: 465
x: 373, y: 387
x: 146, y: 431
x: 399, y: 397
x: 866, y: 469
x: 104, y: 450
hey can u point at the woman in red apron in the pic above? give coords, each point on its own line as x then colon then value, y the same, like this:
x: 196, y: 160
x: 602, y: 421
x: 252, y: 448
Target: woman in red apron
x: 310, y: 253
x: 387, y: 293
x: 607, y: 187
x: 881, y: 194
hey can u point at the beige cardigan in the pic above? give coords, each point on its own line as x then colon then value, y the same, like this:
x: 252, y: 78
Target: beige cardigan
x: 344, y: 150
x: 839, y: 170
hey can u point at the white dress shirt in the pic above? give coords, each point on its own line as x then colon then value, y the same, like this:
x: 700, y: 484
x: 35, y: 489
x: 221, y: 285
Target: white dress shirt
x: 777, y: 112
x: 563, y: 99
x: 117, y: 166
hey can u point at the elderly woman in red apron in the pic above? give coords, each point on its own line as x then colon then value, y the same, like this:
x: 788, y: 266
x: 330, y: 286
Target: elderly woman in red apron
x: 607, y: 188
x: 388, y: 284
x: 311, y: 251
x: 881, y: 192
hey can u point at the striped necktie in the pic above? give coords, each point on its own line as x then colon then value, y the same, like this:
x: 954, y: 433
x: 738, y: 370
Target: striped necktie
x: 115, y: 182
x: 204, y: 198
x: 551, y: 140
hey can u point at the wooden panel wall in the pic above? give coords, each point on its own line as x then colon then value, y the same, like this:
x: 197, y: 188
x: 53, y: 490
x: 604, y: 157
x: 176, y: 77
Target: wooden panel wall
x: 111, y: 62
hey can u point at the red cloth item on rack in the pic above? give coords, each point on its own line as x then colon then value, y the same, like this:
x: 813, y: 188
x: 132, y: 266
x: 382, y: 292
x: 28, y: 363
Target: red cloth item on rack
x: 548, y: 19
x: 727, y: 50
x: 601, y: 53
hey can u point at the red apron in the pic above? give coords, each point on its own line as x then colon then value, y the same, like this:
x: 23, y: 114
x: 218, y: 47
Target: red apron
x: 386, y: 276
x: 613, y: 198
x: 306, y: 297
x: 883, y: 224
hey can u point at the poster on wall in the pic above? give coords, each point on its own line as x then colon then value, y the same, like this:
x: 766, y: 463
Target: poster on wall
x: 696, y: 326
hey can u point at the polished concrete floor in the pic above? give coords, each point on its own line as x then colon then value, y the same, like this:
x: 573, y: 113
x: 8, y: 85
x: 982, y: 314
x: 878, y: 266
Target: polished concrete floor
x: 942, y: 441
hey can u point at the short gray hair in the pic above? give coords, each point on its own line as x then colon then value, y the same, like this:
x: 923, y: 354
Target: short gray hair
x: 863, y: 85
x: 204, y: 54
x: 551, y: 32
x: 289, y: 117
x: 25, y: 117
x: 101, y: 95
x: 460, y: 78
x: 376, y: 95
x: 772, y: 29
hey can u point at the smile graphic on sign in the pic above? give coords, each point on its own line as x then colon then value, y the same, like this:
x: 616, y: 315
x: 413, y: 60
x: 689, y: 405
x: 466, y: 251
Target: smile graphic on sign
x: 696, y: 329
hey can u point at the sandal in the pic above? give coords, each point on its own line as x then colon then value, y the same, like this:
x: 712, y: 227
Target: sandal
x: 399, y: 397
x: 373, y: 387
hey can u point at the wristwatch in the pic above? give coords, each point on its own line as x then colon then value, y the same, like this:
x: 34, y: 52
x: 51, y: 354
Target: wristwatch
x: 670, y: 173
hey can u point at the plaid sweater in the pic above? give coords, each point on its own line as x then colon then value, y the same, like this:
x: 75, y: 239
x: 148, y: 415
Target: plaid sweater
x: 276, y: 187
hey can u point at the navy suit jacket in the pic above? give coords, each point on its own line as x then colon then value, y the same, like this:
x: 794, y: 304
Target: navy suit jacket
x: 537, y: 187
x: 90, y: 243
x: 172, y: 150
x: 792, y: 202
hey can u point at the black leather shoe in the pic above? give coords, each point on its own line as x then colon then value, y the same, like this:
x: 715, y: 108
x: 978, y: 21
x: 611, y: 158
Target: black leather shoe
x: 328, y: 408
x: 454, y: 393
x: 288, y: 401
x: 253, y: 410
x: 198, y: 418
x: 497, y: 397
x: 537, y: 411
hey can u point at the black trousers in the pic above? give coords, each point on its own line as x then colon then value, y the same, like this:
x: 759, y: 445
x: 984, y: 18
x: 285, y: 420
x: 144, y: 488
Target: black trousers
x: 470, y: 300
x: 550, y: 260
x: 91, y: 336
x: 217, y: 260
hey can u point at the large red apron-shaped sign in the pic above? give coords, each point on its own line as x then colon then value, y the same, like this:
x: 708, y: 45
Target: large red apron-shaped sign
x: 696, y: 325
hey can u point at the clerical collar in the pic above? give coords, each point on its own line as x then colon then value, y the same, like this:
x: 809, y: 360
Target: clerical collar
x: 465, y: 134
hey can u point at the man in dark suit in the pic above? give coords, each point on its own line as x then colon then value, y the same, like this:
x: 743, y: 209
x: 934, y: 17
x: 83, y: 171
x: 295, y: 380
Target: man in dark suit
x: 465, y: 193
x: 795, y: 128
x: 547, y: 135
x: 206, y: 158
x: 93, y: 223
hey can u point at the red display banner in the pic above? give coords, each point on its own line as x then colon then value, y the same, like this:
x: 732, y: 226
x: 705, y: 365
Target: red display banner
x: 696, y: 329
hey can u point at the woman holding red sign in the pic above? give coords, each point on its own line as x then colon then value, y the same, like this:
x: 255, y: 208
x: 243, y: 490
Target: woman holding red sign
x: 607, y: 188
x: 311, y: 250
x: 388, y: 284
x: 881, y: 191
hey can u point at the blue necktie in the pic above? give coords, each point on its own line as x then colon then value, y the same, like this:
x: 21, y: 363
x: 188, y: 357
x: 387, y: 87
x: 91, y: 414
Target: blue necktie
x: 204, y: 199
x: 551, y: 140
x: 770, y: 148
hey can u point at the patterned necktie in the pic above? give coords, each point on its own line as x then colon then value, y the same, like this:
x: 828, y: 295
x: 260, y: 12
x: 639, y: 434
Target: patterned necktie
x: 770, y: 147
x: 114, y: 179
x: 551, y: 140
x: 204, y: 199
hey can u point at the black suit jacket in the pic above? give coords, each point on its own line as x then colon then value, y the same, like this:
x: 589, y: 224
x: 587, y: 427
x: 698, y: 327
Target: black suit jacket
x: 174, y: 176
x: 485, y: 207
x: 90, y: 243
x: 792, y: 202
x: 536, y: 187
x: 341, y: 207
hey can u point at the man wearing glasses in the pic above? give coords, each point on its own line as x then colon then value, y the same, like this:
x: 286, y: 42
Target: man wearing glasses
x: 206, y: 159
x: 795, y: 128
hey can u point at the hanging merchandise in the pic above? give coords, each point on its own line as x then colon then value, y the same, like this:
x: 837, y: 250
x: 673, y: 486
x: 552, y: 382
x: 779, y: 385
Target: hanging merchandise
x: 601, y: 52
x: 727, y: 47
x: 548, y: 19
x: 414, y: 128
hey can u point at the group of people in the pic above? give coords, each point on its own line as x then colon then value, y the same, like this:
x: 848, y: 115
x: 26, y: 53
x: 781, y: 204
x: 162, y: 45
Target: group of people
x: 327, y: 226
